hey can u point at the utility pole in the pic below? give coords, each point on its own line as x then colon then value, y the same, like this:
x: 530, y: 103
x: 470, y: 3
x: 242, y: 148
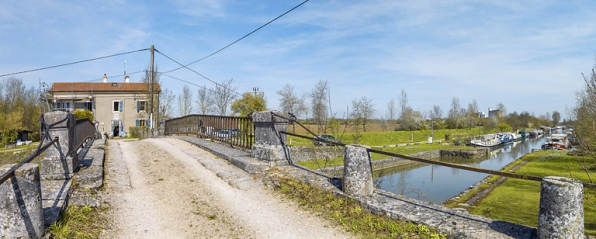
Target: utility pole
x: 151, y: 87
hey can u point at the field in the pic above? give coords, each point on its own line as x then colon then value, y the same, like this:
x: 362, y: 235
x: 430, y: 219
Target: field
x: 18, y: 154
x: 383, y: 138
x: 518, y: 200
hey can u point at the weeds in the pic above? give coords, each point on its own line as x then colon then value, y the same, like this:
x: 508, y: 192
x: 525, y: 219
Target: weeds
x: 348, y: 214
x: 77, y: 222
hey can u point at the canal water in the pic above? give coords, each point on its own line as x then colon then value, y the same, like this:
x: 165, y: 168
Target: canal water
x: 436, y: 184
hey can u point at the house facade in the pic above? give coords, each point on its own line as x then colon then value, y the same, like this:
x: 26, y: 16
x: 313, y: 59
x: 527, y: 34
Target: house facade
x: 116, y: 106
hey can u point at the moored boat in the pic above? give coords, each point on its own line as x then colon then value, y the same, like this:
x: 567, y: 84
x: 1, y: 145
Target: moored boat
x: 487, y: 140
x: 557, y: 141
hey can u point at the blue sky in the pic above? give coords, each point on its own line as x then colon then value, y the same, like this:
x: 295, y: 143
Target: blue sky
x: 529, y: 55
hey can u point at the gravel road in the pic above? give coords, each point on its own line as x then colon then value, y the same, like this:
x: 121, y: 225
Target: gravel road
x: 174, y: 195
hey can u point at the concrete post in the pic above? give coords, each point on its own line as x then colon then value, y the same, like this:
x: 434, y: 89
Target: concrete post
x: 21, y: 211
x: 57, y: 164
x: 268, y: 140
x: 358, y: 180
x: 561, y: 213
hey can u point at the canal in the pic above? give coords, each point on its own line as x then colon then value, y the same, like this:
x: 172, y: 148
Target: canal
x: 436, y: 184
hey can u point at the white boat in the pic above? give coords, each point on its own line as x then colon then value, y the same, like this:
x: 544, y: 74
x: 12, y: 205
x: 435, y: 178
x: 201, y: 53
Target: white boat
x: 557, y: 141
x: 487, y: 140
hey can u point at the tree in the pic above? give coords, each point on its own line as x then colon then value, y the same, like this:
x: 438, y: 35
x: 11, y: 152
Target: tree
x: 362, y: 111
x: 224, y: 93
x: 166, y: 100
x: 147, y: 95
x: 436, y: 112
x: 290, y: 102
x: 454, y: 114
x: 319, y: 101
x: 19, y: 108
x: 391, y: 110
x: 185, y: 101
x: 556, y: 118
x: 204, y: 100
x: 248, y: 104
x: 403, y: 104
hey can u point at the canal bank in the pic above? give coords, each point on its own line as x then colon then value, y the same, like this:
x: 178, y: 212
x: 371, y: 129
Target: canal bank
x: 437, y: 184
x: 517, y: 200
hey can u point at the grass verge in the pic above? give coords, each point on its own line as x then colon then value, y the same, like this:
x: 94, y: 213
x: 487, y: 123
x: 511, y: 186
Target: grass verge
x: 518, y: 200
x: 404, y: 150
x: 78, y: 222
x: 348, y: 214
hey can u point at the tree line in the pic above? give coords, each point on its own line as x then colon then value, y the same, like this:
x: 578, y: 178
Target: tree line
x: 314, y: 107
x: 20, y: 109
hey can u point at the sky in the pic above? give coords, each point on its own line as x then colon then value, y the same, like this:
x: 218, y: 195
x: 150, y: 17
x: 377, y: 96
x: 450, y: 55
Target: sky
x: 528, y: 55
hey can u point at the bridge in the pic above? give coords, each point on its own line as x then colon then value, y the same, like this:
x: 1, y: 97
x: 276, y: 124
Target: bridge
x: 235, y: 155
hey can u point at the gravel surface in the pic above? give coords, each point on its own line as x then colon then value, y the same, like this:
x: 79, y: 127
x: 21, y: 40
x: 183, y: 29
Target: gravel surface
x: 174, y: 195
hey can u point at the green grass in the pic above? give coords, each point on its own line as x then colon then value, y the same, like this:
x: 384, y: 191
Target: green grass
x: 404, y: 150
x: 398, y: 137
x: 78, y: 222
x: 348, y: 214
x: 518, y: 200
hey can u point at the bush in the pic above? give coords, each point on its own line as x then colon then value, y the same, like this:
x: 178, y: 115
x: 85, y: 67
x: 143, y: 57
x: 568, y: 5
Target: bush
x: 84, y: 114
x: 138, y: 131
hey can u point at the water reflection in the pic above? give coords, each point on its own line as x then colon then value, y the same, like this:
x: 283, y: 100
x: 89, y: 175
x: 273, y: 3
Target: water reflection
x: 438, y: 183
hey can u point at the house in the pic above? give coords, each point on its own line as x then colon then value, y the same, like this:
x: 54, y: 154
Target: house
x: 116, y: 106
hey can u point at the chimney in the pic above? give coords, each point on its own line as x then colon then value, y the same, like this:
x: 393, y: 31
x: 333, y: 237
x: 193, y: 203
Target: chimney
x: 126, y: 79
x: 105, y: 78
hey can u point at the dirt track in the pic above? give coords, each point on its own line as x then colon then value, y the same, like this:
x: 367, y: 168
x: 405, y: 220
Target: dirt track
x: 175, y: 196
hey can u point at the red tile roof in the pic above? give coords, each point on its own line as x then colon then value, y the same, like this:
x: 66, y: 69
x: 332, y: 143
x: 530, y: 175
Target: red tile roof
x: 102, y: 87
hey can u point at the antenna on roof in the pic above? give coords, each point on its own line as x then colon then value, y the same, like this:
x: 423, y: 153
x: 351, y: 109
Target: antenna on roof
x: 124, y: 70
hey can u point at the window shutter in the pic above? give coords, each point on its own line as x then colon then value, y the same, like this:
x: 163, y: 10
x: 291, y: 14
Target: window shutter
x: 138, y: 123
x: 121, y: 105
x: 138, y: 106
x: 85, y: 106
x: 146, y: 122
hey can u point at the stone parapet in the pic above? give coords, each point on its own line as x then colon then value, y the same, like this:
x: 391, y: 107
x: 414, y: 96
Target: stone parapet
x: 358, y: 180
x: 21, y: 204
x: 561, y: 213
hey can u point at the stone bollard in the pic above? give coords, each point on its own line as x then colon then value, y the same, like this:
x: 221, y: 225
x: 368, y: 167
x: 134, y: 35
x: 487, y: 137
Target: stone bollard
x: 57, y: 164
x: 20, y: 201
x: 358, y: 179
x: 268, y: 141
x: 561, y: 213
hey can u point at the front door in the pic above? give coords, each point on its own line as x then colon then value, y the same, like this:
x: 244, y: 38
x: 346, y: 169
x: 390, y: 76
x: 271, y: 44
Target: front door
x: 116, y: 127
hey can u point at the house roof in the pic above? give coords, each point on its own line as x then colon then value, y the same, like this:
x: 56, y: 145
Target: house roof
x: 102, y: 87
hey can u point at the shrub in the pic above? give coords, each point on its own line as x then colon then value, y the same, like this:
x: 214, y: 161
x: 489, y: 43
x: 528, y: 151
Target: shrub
x: 84, y: 114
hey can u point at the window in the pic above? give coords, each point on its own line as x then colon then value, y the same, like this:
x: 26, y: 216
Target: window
x: 141, y: 105
x: 117, y: 106
x: 88, y: 105
x: 142, y: 122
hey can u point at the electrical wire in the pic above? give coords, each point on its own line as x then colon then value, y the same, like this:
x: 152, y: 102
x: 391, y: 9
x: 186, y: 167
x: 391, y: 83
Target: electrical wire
x: 239, y: 39
x: 72, y: 63
x: 201, y: 75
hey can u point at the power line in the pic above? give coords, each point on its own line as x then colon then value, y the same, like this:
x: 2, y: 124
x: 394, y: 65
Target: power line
x: 72, y: 63
x: 239, y: 39
x: 201, y: 75
x: 175, y: 78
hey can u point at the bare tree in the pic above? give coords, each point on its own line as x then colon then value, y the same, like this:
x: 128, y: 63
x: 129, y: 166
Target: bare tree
x: 185, y: 101
x: 290, y: 102
x: 224, y: 93
x: 362, y: 111
x: 156, y: 81
x: 403, y: 104
x: 436, y: 112
x: 204, y: 100
x: 167, y: 98
x: 391, y: 110
x: 454, y: 113
x: 547, y: 116
x: 556, y: 117
x: 319, y: 99
x: 501, y: 107
x: 473, y: 107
